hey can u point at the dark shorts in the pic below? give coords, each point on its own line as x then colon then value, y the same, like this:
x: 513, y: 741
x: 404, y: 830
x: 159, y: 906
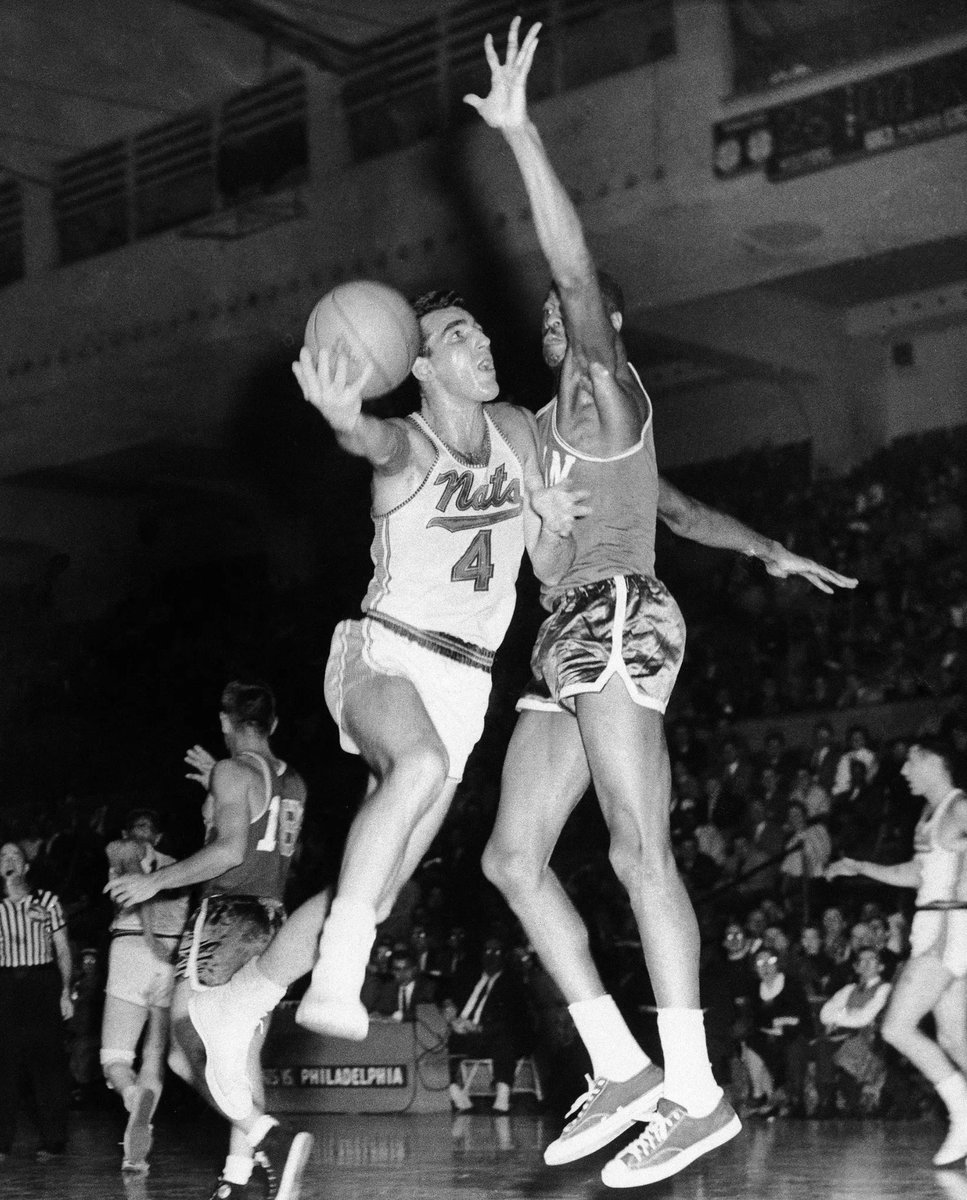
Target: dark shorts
x: 223, y: 934
x: 628, y: 626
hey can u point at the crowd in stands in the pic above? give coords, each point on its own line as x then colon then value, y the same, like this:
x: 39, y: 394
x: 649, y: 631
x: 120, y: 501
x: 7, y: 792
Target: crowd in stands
x: 797, y: 969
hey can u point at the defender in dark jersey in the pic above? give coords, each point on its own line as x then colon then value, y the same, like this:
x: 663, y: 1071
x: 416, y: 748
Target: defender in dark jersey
x: 253, y: 814
x: 607, y: 657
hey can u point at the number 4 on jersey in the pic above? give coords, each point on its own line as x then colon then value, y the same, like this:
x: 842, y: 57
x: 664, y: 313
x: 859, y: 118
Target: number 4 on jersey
x: 475, y: 565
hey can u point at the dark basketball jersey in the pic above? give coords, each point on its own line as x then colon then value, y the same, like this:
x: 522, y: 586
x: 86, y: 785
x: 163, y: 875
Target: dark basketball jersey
x: 617, y: 537
x: 272, y: 835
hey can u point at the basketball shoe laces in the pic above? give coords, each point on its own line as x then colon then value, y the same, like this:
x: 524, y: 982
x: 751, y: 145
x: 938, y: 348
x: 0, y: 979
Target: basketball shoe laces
x: 580, y: 1105
x: 659, y: 1127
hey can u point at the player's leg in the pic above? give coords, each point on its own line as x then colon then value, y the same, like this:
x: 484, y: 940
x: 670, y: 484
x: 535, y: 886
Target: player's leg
x: 387, y: 720
x: 626, y: 750
x: 122, y: 1025
x: 922, y: 987
x: 545, y: 775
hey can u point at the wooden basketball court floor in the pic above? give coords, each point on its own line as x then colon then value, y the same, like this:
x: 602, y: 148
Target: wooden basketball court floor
x: 478, y: 1157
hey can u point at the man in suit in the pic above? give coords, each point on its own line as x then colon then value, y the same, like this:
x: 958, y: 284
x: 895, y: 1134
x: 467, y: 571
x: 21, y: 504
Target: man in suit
x: 487, y: 1016
x: 411, y: 988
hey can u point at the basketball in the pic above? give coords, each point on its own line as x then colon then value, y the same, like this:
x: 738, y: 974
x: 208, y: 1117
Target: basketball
x: 374, y: 324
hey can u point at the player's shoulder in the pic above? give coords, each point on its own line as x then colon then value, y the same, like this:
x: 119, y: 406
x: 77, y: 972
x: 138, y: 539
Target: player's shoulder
x: 516, y: 423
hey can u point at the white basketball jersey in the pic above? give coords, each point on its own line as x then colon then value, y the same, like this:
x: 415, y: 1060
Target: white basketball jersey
x: 446, y: 560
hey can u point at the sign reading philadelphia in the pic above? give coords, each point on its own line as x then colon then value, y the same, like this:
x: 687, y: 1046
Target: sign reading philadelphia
x: 394, y: 1076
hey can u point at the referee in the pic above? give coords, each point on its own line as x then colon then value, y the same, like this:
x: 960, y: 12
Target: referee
x: 35, y: 1000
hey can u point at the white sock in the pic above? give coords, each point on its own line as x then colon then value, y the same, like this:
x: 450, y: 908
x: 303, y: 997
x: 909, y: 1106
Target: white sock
x: 953, y: 1092
x: 260, y: 1127
x: 347, y: 939
x: 238, y: 1169
x: 688, y: 1073
x: 614, y: 1052
x: 254, y: 989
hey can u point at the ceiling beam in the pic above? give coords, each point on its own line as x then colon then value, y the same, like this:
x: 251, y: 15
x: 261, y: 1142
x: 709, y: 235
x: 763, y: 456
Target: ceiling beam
x: 327, y: 53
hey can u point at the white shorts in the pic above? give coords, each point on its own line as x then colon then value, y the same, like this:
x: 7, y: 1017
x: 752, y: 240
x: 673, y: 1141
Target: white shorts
x: 137, y: 975
x: 455, y: 694
x: 942, y: 934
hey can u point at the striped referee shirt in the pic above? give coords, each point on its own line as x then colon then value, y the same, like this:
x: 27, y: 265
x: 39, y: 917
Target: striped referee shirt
x: 27, y: 928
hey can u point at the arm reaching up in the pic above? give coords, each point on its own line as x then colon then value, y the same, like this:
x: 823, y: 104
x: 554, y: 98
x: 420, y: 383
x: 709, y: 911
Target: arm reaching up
x: 591, y: 331
x: 325, y: 385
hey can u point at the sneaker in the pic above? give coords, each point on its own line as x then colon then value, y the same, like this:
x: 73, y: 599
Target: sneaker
x: 226, y: 1028
x: 671, y: 1141
x: 953, y: 1149
x: 283, y: 1157
x: 603, y: 1112
x: 229, y: 1191
x: 333, y: 1016
x: 138, y: 1134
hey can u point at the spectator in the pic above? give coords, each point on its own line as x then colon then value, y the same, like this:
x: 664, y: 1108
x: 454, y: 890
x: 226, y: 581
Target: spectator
x: 809, y: 851
x: 857, y: 750
x: 412, y: 987
x: 487, y: 1019
x: 35, y: 1001
x: 824, y: 756
x: 849, y: 1020
x: 781, y: 1023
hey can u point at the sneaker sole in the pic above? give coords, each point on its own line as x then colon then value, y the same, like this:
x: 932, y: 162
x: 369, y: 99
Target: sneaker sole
x: 138, y: 1134
x: 333, y: 1019
x: 617, y: 1175
x: 234, y: 1109
x: 580, y: 1145
x: 290, y: 1185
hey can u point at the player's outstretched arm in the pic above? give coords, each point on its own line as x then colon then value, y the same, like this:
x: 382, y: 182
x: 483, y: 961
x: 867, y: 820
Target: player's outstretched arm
x: 556, y: 220
x: 904, y: 875
x: 689, y: 518
x: 325, y: 384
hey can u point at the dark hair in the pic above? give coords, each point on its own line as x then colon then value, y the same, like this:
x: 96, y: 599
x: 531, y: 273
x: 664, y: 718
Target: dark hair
x: 934, y: 744
x: 142, y: 814
x: 429, y: 302
x: 249, y: 704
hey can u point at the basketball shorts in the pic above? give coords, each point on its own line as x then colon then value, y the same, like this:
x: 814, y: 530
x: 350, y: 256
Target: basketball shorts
x: 628, y: 625
x: 451, y: 678
x: 943, y: 935
x: 223, y: 934
x: 137, y: 975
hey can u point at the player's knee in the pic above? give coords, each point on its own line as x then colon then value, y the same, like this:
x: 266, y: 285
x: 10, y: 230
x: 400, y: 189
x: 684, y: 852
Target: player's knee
x: 640, y: 861
x: 511, y: 871
x: 420, y: 773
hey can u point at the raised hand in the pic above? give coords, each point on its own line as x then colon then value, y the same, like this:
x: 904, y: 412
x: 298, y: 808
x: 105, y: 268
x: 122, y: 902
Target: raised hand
x: 784, y: 563
x: 201, y: 762
x: 559, y: 506
x: 506, y: 105
x: 325, y: 384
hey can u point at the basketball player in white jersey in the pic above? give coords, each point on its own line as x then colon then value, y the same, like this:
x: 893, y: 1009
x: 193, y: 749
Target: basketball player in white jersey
x: 607, y: 659
x: 934, y: 979
x: 140, y: 983
x: 253, y: 814
x: 457, y: 496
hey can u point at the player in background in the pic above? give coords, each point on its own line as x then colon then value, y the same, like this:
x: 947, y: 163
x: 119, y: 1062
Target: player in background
x: 934, y: 978
x: 608, y: 656
x: 253, y: 814
x: 457, y: 495
x: 140, y: 983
